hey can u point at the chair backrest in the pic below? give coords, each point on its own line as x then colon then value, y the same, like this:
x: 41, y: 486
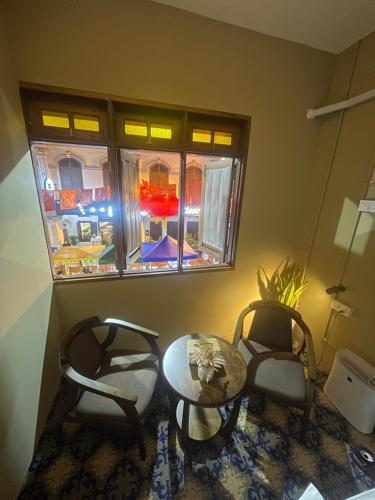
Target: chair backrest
x: 272, y: 328
x: 271, y: 325
x: 82, y: 349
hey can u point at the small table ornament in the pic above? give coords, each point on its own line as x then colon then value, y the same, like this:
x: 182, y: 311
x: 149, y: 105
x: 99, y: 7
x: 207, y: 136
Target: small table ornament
x: 208, y: 360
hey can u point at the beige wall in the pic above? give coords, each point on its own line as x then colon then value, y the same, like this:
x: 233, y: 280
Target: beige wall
x: 145, y: 50
x: 25, y: 288
x: 344, y: 247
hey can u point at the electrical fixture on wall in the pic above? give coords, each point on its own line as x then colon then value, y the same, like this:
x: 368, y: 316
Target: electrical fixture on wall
x: 341, y: 308
x: 335, y: 289
x: 337, y: 306
x: 366, y: 206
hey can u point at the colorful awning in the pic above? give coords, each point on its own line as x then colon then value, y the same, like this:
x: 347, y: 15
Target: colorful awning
x: 165, y: 250
x: 73, y: 255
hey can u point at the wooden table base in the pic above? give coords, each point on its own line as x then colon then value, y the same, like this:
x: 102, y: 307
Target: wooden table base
x: 196, y: 407
x: 201, y: 424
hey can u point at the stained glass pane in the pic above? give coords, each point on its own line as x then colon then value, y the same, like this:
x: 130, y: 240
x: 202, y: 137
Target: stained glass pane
x: 52, y: 119
x: 90, y: 123
x: 161, y: 131
x: 201, y: 136
x: 223, y: 138
x: 135, y: 128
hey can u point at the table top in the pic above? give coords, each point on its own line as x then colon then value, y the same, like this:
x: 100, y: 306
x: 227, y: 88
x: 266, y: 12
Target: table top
x: 226, y: 385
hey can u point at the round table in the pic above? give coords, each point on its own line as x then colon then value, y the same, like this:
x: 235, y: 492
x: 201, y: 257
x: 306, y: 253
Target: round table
x: 196, y: 404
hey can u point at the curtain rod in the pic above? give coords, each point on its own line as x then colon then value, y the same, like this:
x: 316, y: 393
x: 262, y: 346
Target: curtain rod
x: 348, y: 103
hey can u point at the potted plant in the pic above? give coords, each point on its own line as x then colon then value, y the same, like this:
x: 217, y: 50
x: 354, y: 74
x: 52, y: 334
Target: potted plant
x: 285, y: 285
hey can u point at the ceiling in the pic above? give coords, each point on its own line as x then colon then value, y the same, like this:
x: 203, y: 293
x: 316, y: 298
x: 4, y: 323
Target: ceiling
x: 331, y: 25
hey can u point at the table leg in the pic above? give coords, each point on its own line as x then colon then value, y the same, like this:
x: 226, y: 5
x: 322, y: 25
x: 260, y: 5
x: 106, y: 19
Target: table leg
x: 185, y: 423
x: 230, y: 424
x: 173, y: 401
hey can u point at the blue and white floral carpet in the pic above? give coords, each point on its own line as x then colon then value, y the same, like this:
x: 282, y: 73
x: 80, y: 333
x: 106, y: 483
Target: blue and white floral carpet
x: 263, y: 460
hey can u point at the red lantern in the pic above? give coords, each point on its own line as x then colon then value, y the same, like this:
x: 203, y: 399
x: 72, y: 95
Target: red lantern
x: 145, y: 200
x: 162, y: 205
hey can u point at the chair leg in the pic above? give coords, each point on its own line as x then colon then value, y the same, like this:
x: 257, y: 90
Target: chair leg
x: 141, y: 444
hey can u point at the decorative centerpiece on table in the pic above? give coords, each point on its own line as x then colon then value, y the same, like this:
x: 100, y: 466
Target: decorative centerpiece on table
x: 206, y: 355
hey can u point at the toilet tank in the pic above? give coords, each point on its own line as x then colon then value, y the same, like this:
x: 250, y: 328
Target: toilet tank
x: 351, y: 388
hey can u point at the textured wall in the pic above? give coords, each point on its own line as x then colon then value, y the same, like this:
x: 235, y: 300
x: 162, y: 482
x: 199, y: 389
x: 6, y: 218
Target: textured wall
x: 25, y: 287
x: 145, y: 50
x: 344, y: 246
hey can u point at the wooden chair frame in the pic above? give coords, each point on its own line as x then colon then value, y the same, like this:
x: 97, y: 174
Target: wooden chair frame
x: 125, y: 400
x: 307, y: 345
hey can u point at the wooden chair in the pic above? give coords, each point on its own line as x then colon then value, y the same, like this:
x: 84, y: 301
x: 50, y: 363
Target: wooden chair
x: 273, y: 368
x: 109, y: 387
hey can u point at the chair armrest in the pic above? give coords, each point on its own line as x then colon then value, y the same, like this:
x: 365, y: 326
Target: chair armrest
x: 133, y: 328
x: 94, y: 386
x: 311, y: 363
x: 149, y: 335
x: 239, y: 326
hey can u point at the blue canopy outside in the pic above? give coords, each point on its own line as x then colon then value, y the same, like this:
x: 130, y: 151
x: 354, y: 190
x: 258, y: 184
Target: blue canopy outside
x: 165, y: 250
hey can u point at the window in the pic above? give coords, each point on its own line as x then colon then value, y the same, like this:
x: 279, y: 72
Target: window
x: 208, y: 208
x: 201, y: 136
x: 53, y: 119
x: 159, y: 176
x: 70, y: 171
x: 193, y: 185
x: 76, y: 207
x: 106, y: 232
x: 161, y: 131
x: 84, y: 231
x: 151, y: 209
x: 224, y: 138
x: 135, y: 128
x: 86, y: 123
x: 159, y: 195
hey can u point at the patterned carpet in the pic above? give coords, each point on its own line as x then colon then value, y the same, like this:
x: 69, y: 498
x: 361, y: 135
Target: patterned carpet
x: 263, y: 460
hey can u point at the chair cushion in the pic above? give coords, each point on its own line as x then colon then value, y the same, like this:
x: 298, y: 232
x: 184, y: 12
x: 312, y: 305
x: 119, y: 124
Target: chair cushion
x: 279, y: 375
x: 132, y: 371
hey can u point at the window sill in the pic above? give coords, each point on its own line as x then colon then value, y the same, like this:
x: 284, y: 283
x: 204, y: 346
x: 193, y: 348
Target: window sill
x: 65, y: 281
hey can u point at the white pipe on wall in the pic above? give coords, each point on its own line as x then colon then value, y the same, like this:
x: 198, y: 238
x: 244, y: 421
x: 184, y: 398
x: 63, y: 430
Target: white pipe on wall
x: 348, y: 103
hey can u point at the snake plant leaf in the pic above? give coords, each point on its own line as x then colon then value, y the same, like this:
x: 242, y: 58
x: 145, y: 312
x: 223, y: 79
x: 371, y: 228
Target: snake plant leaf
x: 262, y: 287
x: 286, y: 284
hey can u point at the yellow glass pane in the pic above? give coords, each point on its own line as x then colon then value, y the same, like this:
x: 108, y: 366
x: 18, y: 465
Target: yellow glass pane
x: 90, y: 123
x: 224, y: 138
x: 161, y: 131
x: 52, y: 119
x: 201, y: 135
x: 135, y: 128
